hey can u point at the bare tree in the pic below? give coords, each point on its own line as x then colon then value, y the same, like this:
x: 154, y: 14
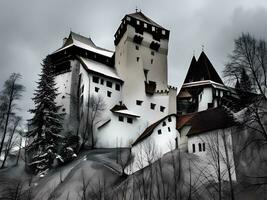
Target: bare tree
x: 95, y: 106
x: 10, y: 142
x: 250, y: 55
x: 9, y: 95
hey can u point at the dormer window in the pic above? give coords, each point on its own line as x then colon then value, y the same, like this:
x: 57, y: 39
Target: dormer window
x: 145, y: 25
x: 163, y: 32
x: 128, y: 19
x: 137, y: 22
x: 153, y: 28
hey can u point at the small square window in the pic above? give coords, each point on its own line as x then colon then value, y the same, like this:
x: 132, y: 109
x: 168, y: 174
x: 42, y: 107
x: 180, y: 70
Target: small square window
x: 95, y: 79
x: 121, y: 118
x: 108, y: 93
x: 137, y: 59
x: 128, y: 19
x: 137, y: 22
x: 96, y: 89
x: 159, y: 132
x: 129, y: 120
x: 152, y: 53
x: 138, y: 102
x: 163, y: 32
x: 136, y: 47
x: 153, y: 28
x: 102, y: 81
x: 109, y: 84
x: 162, y: 108
x: 169, y: 119
x: 145, y: 25
x: 151, y: 61
x: 163, y: 123
x: 169, y: 129
x: 117, y: 87
x: 152, y: 106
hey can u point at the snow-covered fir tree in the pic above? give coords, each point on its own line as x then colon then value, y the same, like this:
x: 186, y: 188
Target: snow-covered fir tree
x: 45, y: 126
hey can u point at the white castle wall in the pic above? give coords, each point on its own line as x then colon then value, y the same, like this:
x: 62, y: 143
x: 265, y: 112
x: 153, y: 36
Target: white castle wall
x: 204, y: 98
x: 154, y: 146
x: 210, y: 141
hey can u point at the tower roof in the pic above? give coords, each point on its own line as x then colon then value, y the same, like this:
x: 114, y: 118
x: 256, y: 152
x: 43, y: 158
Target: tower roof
x: 202, y: 70
x: 139, y: 15
x: 83, y: 42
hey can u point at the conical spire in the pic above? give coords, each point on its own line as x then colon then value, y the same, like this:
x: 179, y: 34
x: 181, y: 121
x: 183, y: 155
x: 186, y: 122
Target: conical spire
x: 202, y: 70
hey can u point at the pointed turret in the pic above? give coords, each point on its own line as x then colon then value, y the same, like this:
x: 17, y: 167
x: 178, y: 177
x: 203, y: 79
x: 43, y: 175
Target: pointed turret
x: 202, y: 70
x: 206, y: 70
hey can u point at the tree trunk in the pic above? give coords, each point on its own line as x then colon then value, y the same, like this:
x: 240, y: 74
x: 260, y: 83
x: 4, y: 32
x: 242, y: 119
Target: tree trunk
x: 7, y: 117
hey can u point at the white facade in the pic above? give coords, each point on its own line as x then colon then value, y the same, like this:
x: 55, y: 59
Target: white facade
x: 162, y: 139
x: 210, y: 147
x: 135, y: 66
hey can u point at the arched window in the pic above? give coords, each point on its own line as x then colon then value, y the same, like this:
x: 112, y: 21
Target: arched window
x: 194, y: 148
x: 199, y: 147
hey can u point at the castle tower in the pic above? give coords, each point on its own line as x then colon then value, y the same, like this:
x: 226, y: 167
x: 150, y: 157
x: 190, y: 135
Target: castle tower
x: 141, y: 59
x: 202, y: 88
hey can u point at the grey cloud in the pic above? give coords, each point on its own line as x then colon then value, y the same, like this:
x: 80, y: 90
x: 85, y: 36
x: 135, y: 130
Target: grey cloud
x: 32, y: 29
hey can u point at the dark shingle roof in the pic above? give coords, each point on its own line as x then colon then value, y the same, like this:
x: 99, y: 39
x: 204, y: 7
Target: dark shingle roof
x: 202, y: 69
x: 208, y: 120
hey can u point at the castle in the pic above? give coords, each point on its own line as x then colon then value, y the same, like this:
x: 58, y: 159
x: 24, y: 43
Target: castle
x: 125, y: 94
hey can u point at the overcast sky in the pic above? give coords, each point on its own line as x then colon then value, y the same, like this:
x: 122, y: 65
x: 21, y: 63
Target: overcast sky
x: 31, y: 29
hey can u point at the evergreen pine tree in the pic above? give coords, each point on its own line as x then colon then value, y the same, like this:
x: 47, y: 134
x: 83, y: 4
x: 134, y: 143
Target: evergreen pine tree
x: 45, y: 126
x: 245, y: 84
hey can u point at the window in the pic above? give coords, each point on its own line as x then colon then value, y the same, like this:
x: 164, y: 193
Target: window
x: 95, y: 79
x: 136, y: 47
x: 102, y: 81
x: 129, y: 120
x: 63, y: 109
x: 153, y: 28
x: 203, y: 147
x: 169, y: 119
x: 163, y: 32
x: 162, y: 108
x: 81, y: 100
x: 151, y: 61
x: 128, y: 19
x: 109, y: 84
x: 121, y: 118
x: 82, y: 89
x: 145, y: 25
x: 63, y: 97
x: 108, y: 93
x: 152, y: 106
x: 159, y: 132
x: 152, y: 53
x: 96, y: 89
x: 137, y: 22
x: 199, y: 147
x: 169, y: 129
x: 193, y: 148
x: 117, y: 87
x: 163, y: 123
x: 138, y: 102
x: 137, y: 59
